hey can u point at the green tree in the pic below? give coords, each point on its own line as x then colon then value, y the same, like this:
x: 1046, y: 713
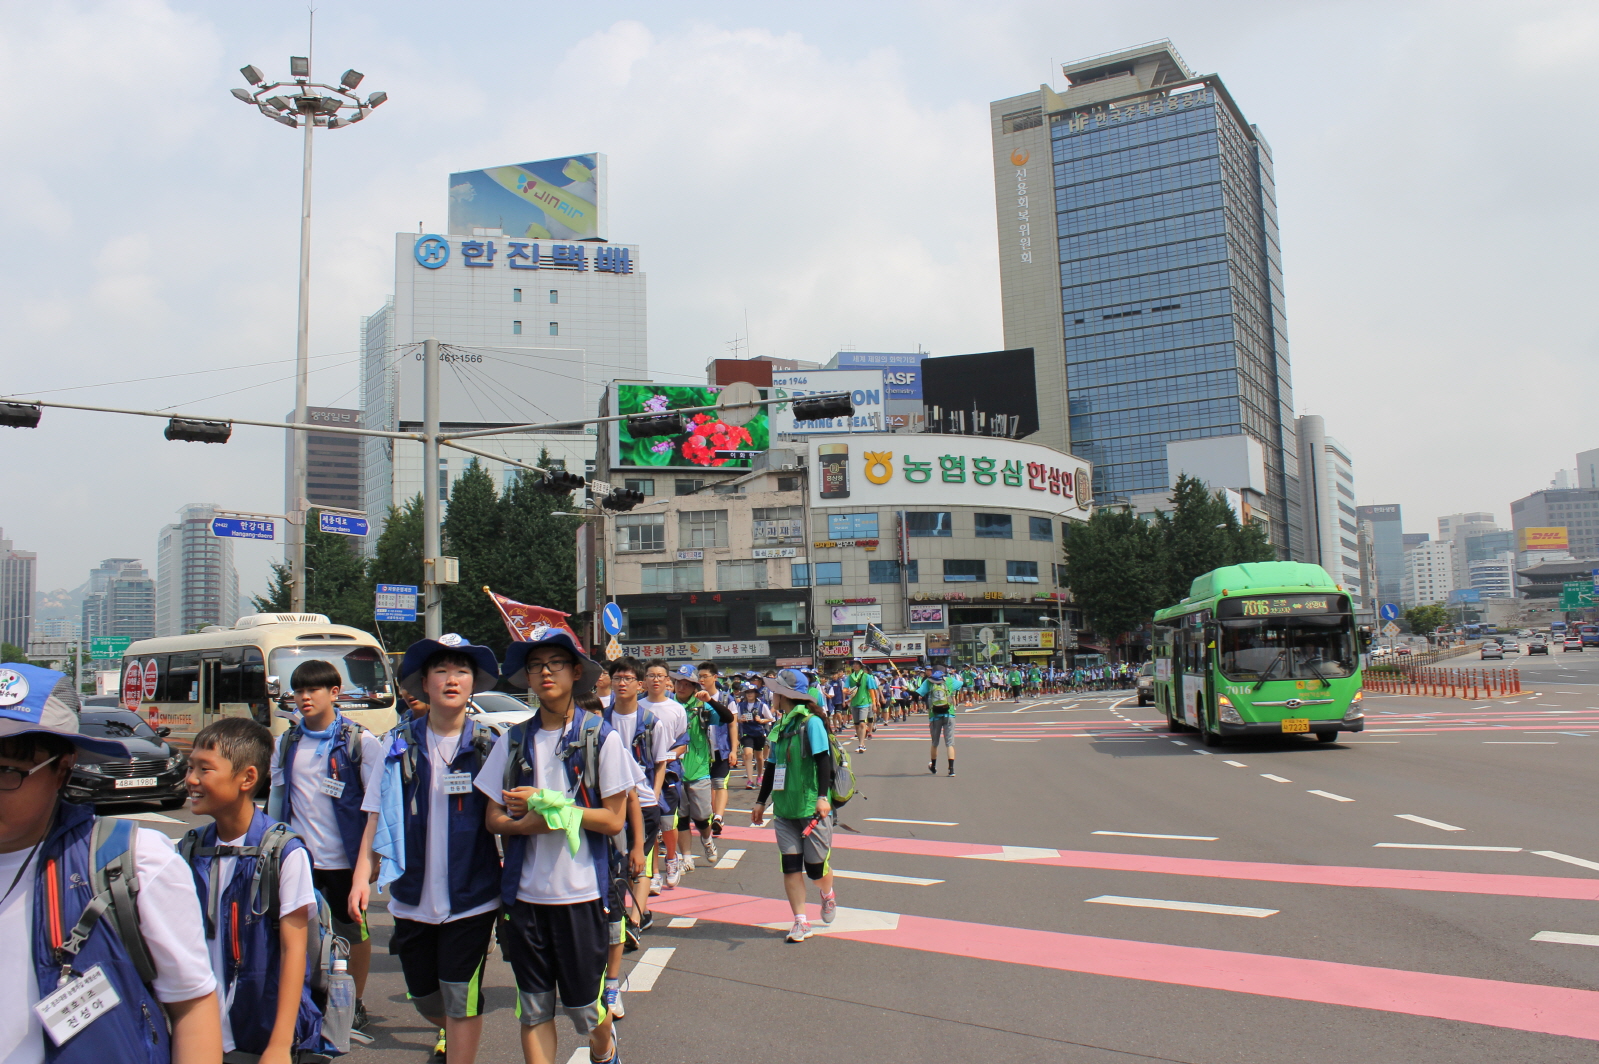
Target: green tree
x: 336, y: 583
x: 12, y: 652
x: 1202, y: 533
x: 397, y: 559
x: 539, y: 560
x: 473, y: 529
x: 1116, y: 568
x: 1423, y: 619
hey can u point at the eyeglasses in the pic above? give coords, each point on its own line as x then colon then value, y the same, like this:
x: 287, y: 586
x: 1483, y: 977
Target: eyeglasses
x: 553, y: 667
x: 12, y: 778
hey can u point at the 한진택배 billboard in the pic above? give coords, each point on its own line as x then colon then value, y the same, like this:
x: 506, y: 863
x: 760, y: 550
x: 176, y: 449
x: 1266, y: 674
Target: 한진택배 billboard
x: 697, y: 448
x: 550, y: 198
x: 1542, y: 539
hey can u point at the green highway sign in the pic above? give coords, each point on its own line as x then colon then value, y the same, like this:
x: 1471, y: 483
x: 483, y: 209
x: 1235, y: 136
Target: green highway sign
x: 1576, y: 595
x: 104, y: 648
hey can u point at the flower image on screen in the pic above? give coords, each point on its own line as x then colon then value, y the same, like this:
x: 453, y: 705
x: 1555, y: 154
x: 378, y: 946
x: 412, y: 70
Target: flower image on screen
x: 695, y: 449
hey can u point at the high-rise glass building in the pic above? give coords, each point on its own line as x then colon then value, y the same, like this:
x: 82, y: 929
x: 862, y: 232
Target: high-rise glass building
x: 196, y: 583
x: 1385, y: 530
x: 1139, y: 259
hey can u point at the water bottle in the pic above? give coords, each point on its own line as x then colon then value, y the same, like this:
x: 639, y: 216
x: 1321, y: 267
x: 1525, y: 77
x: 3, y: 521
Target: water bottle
x: 340, y: 1013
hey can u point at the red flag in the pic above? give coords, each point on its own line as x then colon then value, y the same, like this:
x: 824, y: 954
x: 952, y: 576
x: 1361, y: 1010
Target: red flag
x: 521, y: 619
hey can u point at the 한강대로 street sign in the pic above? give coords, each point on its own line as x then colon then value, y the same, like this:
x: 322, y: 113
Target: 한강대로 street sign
x: 396, y: 602
x: 341, y: 524
x: 243, y: 528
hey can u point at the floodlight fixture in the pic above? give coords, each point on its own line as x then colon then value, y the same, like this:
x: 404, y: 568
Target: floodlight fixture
x: 376, y: 99
x: 252, y: 74
x: 199, y: 431
x: 823, y: 408
x: 299, y: 66
x: 669, y: 423
x: 243, y: 94
x: 351, y: 79
x: 20, y: 415
x: 278, y: 103
x: 560, y: 482
x: 286, y: 120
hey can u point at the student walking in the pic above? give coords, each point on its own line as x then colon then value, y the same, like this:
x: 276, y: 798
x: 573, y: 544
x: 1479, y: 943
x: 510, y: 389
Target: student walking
x: 940, y: 721
x: 696, y: 691
x: 668, y: 783
x: 861, y: 689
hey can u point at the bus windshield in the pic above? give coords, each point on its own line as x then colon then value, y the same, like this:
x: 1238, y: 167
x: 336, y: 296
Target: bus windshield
x: 364, y: 671
x: 1288, y: 648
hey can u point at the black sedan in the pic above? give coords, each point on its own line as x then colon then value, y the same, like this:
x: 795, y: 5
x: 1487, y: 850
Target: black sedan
x: 154, y: 772
x: 1537, y: 646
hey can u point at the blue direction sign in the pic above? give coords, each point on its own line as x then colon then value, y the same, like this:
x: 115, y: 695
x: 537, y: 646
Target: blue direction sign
x: 612, y: 618
x: 1389, y: 612
x: 341, y: 524
x: 243, y: 528
x: 396, y: 602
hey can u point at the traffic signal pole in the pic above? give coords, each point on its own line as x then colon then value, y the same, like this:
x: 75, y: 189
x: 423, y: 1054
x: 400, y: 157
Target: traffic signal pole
x: 432, y: 589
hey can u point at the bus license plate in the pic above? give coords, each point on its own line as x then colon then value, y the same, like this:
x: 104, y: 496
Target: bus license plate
x: 1296, y: 724
x: 136, y: 781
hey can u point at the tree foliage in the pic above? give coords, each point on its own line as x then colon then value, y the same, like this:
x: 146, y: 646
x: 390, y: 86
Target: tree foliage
x: 1202, y: 533
x: 397, y: 559
x: 336, y: 582
x: 1423, y: 619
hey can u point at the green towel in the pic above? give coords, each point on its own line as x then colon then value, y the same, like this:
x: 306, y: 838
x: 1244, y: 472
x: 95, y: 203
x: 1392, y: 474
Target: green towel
x: 561, y: 814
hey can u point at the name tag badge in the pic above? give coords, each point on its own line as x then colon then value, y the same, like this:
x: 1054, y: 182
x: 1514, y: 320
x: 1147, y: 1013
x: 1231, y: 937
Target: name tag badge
x: 76, y: 1005
x: 458, y: 783
x: 333, y: 788
x: 779, y: 777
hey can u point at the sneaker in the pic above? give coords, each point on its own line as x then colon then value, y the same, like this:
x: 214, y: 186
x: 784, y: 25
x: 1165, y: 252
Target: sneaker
x: 952, y: 768
x: 613, y: 1001
x: 716, y: 828
x: 860, y: 749
x: 932, y: 766
x: 674, y: 873
x: 358, y: 1024
x: 630, y: 942
x: 647, y: 923
x: 710, y: 849
x: 800, y: 931
x: 749, y: 785
x: 655, y: 884
x: 438, y: 1056
x: 685, y: 863
x: 829, y: 906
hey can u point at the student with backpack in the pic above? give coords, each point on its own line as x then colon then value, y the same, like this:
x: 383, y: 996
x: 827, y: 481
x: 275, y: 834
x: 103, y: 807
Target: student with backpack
x: 861, y: 689
x: 445, y: 901
x: 668, y: 785
x: 146, y: 947
x: 940, y: 720
x: 696, y: 692
x: 326, y: 786
x: 253, y: 879
x: 799, y: 782
x: 754, y: 722
x: 557, y: 786
x: 647, y: 739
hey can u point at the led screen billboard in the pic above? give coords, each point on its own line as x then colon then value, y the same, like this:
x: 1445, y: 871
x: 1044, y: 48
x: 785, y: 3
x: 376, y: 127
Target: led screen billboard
x: 695, y: 449
x: 561, y: 198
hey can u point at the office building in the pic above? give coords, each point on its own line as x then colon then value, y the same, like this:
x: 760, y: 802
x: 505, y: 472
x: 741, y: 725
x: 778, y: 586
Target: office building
x: 196, y: 584
x: 119, y: 600
x: 1149, y: 288
x: 1327, y: 483
x: 1494, y: 577
x: 1384, y: 527
x: 1467, y: 531
x: 1447, y: 526
x: 17, y: 574
x: 1588, y: 469
x: 333, y: 461
x: 1572, y: 511
x: 1428, y: 573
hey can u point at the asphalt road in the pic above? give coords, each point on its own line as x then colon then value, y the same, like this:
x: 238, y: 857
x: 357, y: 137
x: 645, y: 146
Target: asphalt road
x: 1090, y: 888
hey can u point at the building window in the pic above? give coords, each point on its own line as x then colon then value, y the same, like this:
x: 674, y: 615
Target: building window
x: 516, y: 328
x: 1041, y: 529
x: 799, y: 574
x: 886, y: 572
x: 698, y: 529
x: 777, y: 526
x: 829, y: 573
x: 644, y: 622
x: 643, y: 487
x: 1021, y: 572
x: 780, y: 618
x: 928, y: 524
x: 700, y: 622
x: 516, y: 295
x: 744, y: 574
x: 555, y: 296
x: 965, y: 571
x: 687, y: 487
x: 992, y: 526
x: 640, y: 532
x: 672, y: 576
x: 555, y: 328
x: 788, y: 483
x: 851, y: 526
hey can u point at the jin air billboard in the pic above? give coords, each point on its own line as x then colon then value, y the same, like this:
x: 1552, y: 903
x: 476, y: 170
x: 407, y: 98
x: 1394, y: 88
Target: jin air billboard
x: 561, y: 198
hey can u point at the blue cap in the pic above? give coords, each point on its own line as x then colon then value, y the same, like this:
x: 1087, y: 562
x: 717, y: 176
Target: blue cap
x: 487, y: 673
x: 515, y: 670
x: 938, y: 674
x: 37, y: 701
x: 687, y: 672
x: 791, y: 683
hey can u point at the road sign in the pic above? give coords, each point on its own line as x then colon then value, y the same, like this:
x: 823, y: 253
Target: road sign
x: 152, y: 676
x: 612, y: 619
x: 243, y: 528
x: 133, y: 685
x: 341, y: 524
x: 1389, y: 611
x: 1390, y: 629
x: 613, y: 649
x: 1576, y: 595
x: 104, y: 648
x: 396, y: 602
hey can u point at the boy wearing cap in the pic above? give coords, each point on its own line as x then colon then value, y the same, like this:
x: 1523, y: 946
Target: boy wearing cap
x: 798, y: 780
x: 696, y: 691
x: 650, y: 741
x: 446, y: 898
x: 557, y: 788
x: 658, y: 690
x: 165, y: 1006
x: 861, y: 688
x: 940, y: 720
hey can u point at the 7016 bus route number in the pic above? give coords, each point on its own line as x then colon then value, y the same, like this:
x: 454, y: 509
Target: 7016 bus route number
x: 1278, y: 607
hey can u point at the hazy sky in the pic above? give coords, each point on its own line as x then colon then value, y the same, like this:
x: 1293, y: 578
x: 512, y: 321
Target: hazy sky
x: 821, y: 168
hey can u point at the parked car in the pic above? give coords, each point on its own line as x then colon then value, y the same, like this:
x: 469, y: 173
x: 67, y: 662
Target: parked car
x: 1401, y: 650
x: 1146, y: 684
x: 1493, y: 650
x: 1538, y: 646
x: 498, y: 710
x: 1571, y: 642
x: 153, y: 773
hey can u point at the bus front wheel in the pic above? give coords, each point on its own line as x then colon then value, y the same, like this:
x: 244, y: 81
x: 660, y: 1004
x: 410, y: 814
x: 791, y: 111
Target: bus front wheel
x: 1327, y: 737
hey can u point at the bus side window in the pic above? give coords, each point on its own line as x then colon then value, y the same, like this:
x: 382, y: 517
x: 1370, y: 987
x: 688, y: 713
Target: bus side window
x: 252, y: 685
x: 228, y: 680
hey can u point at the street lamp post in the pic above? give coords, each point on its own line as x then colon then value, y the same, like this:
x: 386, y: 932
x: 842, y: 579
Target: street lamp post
x: 308, y: 104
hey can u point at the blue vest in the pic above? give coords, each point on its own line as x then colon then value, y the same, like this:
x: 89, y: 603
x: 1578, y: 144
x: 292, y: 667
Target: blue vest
x: 136, y: 1029
x: 251, y: 948
x: 347, y: 806
x: 474, y: 860
x: 570, y: 751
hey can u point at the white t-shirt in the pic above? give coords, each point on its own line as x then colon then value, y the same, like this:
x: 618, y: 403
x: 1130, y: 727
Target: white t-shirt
x: 311, y: 811
x: 433, y: 907
x: 294, y: 893
x: 551, y: 873
x: 169, y: 913
x: 626, y: 725
x: 671, y: 714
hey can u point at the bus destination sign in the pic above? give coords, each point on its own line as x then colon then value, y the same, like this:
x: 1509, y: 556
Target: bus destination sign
x: 1280, y: 606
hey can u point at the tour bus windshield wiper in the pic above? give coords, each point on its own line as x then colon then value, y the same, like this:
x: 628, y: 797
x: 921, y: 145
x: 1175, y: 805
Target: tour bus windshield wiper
x: 1278, y: 660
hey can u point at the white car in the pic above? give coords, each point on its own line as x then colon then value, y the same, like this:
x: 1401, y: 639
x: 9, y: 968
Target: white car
x: 498, y: 710
x: 1510, y: 646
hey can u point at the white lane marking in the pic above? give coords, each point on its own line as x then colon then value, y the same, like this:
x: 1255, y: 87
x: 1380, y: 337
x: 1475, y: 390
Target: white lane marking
x: 683, y: 921
x: 1013, y: 853
x: 846, y: 919
x: 651, y: 963
x: 1235, y: 764
x: 581, y: 1056
x: 1147, y: 835
x: 884, y: 877
x: 928, y: 823
x: 1581, y: 734
x: 150, y: 818
x: 1568, y: 937
x: 1440, y: 825
x: 730, y: 859
x: 1330, y: 794
x: 1566, y: 857
x: 1521, y: 742
x: 1368, y: 742
x: 1185, y: 906
x: 1443, y: 846
x: 1207, y: 753
x: 999, y: 740
x: 1177, y: 742
x: 1275, y: 779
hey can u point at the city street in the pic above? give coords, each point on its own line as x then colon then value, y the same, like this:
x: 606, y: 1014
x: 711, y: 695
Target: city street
x: 1091, y: 888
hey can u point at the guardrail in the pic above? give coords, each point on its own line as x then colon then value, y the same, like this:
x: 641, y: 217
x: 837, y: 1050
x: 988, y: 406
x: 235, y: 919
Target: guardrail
x: 1445, y: 683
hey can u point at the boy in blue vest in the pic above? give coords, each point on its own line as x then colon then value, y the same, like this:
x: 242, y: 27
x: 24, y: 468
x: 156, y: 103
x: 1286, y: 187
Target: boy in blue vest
x: 326, y: 785
x: 167, y: 1006
x: 256, y: 932
x: 568, y: 768
x: 445, y: 902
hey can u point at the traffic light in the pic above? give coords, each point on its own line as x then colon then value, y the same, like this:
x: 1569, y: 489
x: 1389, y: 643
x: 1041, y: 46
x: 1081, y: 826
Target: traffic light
x: 199, y: 431
x: 670, y: 423
x: 20, y: 415
x: 823, y: 409
x: 560, y: 482
x: 623, y: 499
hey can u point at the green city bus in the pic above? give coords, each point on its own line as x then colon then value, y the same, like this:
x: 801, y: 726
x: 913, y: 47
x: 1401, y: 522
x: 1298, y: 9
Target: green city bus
x: 1264, y: 648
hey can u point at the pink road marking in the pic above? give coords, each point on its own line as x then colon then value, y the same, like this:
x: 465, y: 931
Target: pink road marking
x: 1318, y: 875
x: 1491, y: 1002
